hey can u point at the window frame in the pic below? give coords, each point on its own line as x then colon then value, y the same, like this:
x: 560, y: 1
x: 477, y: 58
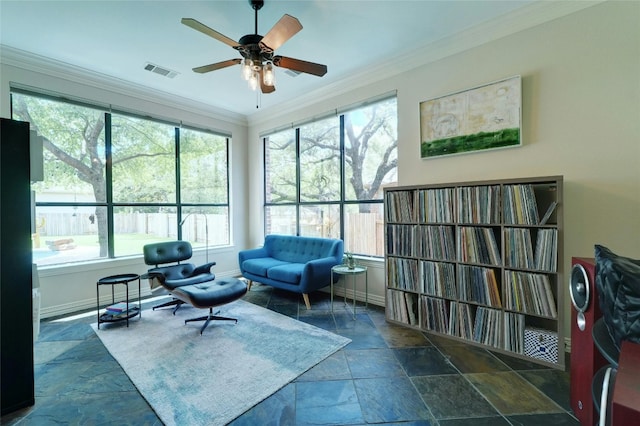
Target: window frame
x: 181, y: 208
x: 343, y: 201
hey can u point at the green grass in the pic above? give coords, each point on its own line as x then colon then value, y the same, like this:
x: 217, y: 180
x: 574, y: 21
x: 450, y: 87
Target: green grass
x: 467, y: 143
x: 125, y: 244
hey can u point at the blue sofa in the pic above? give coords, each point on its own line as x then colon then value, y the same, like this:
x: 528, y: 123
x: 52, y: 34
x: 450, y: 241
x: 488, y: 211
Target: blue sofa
x: 298, y: 264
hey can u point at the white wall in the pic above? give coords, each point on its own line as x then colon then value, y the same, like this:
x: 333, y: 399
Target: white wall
x: 67, y: 289
x: 581, y: 119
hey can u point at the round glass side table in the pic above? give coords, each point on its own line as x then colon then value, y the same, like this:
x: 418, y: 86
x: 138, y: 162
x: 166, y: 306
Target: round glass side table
x: 346, y: 271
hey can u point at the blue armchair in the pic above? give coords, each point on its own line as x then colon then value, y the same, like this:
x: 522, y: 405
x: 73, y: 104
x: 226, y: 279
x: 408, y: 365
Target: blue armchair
x: 173, y: 273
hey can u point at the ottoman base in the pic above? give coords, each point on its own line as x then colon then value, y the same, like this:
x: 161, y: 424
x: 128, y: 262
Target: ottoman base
x: 207, y: 318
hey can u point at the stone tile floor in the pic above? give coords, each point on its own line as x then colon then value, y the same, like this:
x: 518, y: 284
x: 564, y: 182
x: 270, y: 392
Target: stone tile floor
x: 387, y: 375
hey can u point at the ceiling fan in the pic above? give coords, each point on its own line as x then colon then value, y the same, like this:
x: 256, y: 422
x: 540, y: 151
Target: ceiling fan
x: 257, y: 51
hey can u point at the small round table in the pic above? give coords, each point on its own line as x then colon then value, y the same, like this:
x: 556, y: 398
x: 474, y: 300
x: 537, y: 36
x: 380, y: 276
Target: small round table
x: 356, y: 270
x: 112, y: 281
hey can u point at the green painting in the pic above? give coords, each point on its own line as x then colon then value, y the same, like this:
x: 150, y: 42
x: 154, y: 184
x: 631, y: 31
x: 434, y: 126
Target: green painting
x: 485, y: 117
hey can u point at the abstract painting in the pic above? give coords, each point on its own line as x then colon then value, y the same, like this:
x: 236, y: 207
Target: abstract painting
x: 485, y: 117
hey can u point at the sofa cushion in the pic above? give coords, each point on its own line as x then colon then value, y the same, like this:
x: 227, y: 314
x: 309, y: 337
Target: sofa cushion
x: 260, y: 265
x: 174, y: 272
x: 288, y: 272
x: 196, y: 279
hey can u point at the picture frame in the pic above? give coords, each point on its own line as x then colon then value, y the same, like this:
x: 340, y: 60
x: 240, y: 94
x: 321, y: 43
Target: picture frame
x: 485, y: 117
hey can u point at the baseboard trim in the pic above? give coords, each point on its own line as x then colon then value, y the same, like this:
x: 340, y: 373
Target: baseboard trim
x: 360, y: 296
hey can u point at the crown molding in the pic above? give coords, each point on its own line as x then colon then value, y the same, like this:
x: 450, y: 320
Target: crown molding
x: 532, y: 15
x: 40, y: 64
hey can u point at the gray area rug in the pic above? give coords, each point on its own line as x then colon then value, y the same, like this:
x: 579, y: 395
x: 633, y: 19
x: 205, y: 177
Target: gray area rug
x: 211, y: 379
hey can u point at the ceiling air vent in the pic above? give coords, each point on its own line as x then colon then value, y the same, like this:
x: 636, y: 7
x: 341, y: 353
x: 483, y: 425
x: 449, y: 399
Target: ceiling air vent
x: 160, y: 70
x: 292, y: 73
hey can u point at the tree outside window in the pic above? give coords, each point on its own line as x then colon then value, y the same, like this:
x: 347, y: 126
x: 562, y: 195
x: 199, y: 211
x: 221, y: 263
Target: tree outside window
x: 325, y: 178
x: 111, y: 183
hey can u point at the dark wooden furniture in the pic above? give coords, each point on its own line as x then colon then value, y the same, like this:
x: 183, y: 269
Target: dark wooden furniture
x: 625, y: 407
x: 16, y: 324
x: 623, y: 383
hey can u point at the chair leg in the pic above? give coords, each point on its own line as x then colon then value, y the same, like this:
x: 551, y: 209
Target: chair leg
x: 175, y: 302
x: 208, y: 318
x: 249, y: 285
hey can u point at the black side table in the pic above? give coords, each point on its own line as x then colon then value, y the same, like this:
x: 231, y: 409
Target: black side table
x: 112, y: 281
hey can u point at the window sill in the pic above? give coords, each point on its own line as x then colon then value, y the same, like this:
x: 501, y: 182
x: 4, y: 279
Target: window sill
x: 116, y: 263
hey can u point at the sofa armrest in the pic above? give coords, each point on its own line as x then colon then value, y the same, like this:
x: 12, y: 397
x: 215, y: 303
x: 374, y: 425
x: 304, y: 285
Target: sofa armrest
x: 251, y: 254
x: 203, y: 269
x: 317, y: 273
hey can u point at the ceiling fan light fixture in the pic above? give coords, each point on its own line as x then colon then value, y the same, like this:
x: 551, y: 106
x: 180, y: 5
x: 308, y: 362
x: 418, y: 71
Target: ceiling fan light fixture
x: 258, y: 59
x: 253, y: 81
x: 269, y: 76
x: 247, y: 69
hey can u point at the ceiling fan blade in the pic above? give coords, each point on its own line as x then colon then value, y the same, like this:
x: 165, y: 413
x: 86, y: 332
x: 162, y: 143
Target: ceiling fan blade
x: 263, y: 87
x: 198, y: 26
x: 300, y: 65
x: 267, y: 89
x: 282, y: 31
x: 217, y: 65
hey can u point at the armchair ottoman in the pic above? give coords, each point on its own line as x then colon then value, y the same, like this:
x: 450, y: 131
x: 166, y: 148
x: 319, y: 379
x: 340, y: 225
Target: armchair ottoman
x: 210, y: 295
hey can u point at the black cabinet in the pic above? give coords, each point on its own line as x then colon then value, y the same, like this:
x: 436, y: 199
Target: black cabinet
x: 16, y: 325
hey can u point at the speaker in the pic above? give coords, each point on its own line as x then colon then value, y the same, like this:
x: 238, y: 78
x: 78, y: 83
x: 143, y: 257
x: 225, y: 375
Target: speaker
x: 586, y: 360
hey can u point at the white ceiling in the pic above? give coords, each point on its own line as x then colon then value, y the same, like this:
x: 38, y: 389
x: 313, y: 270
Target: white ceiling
x: 118, y: 38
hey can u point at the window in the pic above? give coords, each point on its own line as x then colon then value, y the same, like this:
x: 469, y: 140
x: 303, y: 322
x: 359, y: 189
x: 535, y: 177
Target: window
x: 204, y: 188
x: 143, y: 153
x: 114, y: 182
x: 325, y: 178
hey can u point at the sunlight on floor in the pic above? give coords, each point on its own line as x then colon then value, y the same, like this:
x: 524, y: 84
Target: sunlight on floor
x: 94, y: 313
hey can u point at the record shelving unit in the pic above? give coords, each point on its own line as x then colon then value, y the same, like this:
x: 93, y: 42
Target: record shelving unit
x: 479, y: 262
